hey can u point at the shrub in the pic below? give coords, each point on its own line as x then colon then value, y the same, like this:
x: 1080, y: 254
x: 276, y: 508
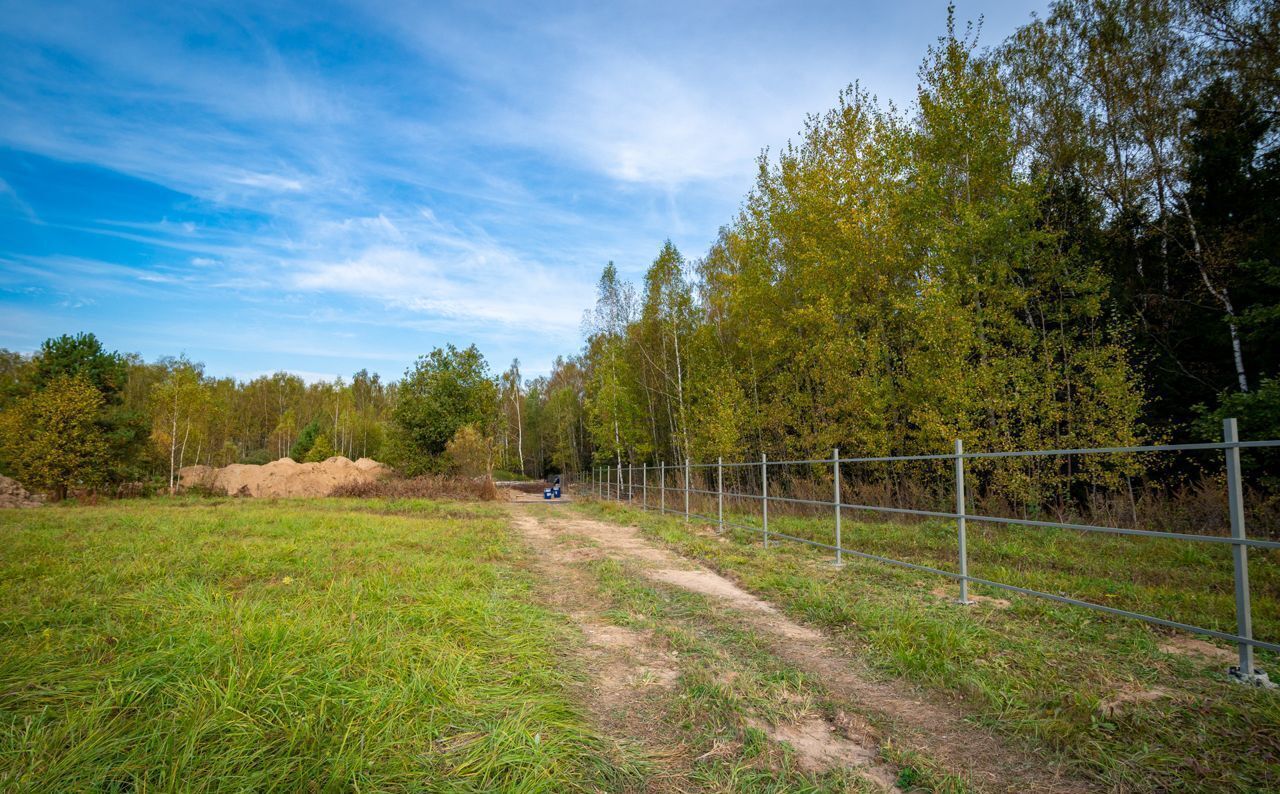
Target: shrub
x: 424, y: 486
x: 257, y: 457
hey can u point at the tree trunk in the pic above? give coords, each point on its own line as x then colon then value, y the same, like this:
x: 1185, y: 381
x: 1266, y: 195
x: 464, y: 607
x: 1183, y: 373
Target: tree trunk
x: 1223, y: 297
x: 519, y: 430
x: 173, y: 444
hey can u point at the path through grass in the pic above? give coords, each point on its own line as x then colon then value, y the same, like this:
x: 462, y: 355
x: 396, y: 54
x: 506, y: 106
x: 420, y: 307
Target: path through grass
x: 1107, y: 695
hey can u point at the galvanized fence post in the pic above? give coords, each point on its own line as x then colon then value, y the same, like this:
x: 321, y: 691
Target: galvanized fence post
x: 764, y: 494
x: 686, y: 490
x: 644, y: 486
x: 835, y: 466
x: 662, y: 487
x: 720, y: 493
x: 1239, y: 552
x: 960, y: 528
x: 631, y: 484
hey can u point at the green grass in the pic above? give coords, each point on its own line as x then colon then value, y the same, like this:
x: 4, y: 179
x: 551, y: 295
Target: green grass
x: 1186, y: 581
x: 319, y: 646
x: 1038, y: 670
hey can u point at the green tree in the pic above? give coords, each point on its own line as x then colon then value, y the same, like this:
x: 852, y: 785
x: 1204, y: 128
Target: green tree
x: 15, y: 376
x: 124, y: 425
x: 306, y: 439
x: 52, y: 437
x: 444, y: 391
x: 512, y: 410
x: 660, y: 345
x: 613, y: 402
x: 321, y: 449
x: 178, y: 404
x: 81, y: 355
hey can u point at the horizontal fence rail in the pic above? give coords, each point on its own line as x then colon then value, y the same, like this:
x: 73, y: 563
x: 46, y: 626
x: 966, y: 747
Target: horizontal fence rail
x: 649, y: 487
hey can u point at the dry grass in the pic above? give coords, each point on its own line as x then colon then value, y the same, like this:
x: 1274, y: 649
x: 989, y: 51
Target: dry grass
x: 426, y: 486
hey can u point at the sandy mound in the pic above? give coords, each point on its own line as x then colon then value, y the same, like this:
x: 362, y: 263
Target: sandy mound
x: 14, y: 495
x: 283, y: 477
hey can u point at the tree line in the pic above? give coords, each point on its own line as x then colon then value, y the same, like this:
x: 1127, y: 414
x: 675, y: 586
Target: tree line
x: 75, y: 416
x: 1071, y: 239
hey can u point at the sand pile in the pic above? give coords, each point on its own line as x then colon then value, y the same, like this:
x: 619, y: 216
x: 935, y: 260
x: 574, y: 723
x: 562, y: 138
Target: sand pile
x: 14, y: 495
x: 283, y: 477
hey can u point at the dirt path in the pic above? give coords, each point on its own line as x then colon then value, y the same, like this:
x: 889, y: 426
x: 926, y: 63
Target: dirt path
x: 628, y: 663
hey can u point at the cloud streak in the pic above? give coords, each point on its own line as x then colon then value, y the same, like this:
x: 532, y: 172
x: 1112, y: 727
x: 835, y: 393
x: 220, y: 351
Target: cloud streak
x: 414, y: 173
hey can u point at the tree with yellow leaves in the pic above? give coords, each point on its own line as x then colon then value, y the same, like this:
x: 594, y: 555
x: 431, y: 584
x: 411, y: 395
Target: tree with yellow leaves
x: 52, y: 440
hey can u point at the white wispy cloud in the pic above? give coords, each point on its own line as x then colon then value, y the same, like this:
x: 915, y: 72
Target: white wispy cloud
x: 10, y: 196
x: 267, y: 181
x: 467, y: 288
x: 421, y: 171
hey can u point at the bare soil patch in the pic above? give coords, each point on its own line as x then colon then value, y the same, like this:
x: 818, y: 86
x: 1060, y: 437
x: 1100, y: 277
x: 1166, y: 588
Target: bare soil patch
x: 821, y: 745
x: 1183, y: 645
x: 284, y: 477
x: 525, y: 495
x: 1126, y: 697
x: 632, y: 660
x: 952, y: 595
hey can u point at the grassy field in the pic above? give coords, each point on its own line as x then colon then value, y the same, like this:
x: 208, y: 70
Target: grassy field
x: 399, y: 645
x: 1098, y: 692
x: 238, y: 645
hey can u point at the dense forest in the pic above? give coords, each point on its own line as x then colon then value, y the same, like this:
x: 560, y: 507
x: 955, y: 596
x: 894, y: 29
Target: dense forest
x: 1071, y: 238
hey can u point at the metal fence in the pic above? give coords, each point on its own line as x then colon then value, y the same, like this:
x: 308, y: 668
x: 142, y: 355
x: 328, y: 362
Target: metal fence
x: 622, y: 482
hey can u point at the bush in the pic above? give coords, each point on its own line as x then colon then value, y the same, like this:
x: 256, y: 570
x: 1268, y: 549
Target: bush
x: 258, y: 457
x: 321, y: 450
x: 470, y: 453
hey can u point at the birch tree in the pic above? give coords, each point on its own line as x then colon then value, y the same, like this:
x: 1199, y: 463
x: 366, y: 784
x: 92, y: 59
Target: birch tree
x: 176, y: 404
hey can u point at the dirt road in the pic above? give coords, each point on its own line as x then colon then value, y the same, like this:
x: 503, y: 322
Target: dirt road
x: 628, y: 665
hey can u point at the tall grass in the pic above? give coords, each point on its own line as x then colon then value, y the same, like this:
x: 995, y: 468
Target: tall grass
x: 243, y: 645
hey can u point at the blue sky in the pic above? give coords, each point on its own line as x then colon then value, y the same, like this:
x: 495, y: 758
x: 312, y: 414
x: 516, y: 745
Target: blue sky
x: 320, y: 187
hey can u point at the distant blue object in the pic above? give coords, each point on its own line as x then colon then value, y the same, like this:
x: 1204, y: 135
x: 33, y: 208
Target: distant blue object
x: 546, y: 493
x: 556, y: 492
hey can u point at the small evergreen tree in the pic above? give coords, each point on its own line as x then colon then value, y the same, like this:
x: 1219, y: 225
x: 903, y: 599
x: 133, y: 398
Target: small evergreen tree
x: 321, y: 450
x: 306, y: 439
